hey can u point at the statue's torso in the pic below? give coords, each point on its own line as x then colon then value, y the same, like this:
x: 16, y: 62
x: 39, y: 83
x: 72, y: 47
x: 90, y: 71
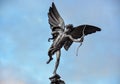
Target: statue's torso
x: 59, y: 41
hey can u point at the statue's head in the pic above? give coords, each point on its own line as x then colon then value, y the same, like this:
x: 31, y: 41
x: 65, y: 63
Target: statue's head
x: 69, y: 27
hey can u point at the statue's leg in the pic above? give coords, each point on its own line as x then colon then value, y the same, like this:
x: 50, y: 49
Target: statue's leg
x: 50, y: 53
x: 50, y: 59
x: 58, y: 53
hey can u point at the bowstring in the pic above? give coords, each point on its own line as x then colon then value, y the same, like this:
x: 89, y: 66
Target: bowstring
x: 83, y: 35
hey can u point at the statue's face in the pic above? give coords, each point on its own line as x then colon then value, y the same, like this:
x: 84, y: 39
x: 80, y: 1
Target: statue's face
x: 69, y: 27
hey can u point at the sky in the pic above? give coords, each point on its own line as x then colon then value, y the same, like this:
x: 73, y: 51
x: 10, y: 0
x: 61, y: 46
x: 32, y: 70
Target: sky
x: 24, y: 33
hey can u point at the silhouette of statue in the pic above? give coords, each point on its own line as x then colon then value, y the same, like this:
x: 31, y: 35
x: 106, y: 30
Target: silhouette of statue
x: 64, y: 35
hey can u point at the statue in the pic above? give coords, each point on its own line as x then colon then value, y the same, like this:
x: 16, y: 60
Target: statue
x: 64, y: 35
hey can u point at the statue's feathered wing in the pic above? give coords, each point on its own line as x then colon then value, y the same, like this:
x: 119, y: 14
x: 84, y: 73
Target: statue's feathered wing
x: 55, y: 20
x: 57, y: 24
x: 77, y: 32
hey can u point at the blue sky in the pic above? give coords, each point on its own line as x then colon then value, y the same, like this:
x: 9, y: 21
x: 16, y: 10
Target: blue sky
x: 24, y: 31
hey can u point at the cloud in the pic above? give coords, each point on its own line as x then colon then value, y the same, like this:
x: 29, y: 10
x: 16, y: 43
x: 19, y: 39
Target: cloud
x: 12, y: 81
x: 24, y: 30
x: 8, y: 76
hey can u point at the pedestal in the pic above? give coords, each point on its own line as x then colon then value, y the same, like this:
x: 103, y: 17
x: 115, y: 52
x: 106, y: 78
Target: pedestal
x: 56, y: 80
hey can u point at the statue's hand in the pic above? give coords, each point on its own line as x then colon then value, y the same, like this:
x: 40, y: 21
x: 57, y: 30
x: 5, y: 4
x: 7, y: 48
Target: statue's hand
x: 81, y: 39
x: 50, y: 39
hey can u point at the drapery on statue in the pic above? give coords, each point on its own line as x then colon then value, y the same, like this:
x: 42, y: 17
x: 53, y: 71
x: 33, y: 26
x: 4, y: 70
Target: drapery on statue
x: 64, y: 35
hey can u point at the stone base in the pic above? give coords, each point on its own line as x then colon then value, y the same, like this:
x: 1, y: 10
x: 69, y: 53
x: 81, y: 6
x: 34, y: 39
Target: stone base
x: 56, y: 80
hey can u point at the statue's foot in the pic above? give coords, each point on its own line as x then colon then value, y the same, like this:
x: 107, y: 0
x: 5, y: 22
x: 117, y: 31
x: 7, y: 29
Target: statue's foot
x: 50, y: 59
x: 55, y: 76
x: 55, y: 79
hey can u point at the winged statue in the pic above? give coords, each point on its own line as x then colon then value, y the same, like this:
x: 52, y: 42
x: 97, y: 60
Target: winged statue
x: 64, y: 35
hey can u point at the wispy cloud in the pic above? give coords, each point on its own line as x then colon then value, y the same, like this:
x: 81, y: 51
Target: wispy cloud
x: 24, y: 31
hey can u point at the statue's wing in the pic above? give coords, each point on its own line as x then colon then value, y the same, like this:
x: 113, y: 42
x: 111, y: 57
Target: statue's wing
x: 78, y: 33
x: 55, y: 20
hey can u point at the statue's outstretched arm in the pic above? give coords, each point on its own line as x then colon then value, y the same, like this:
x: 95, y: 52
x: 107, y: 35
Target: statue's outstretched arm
x: 75, y: 40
